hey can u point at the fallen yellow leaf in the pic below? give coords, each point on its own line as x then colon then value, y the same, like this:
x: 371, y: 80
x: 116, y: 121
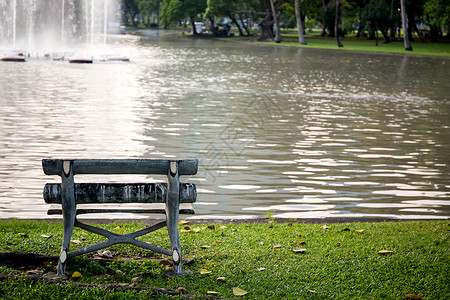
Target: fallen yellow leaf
x: 360, y: 230
x: 223, y: 227
x: 205, y: 247
x: 302, y: 242
x: 385, y: 252
x: 76, y: 241
x: 412, y: 296
x: 325, y: 227
x: 204, y: 271
x: 221, y: 278
x: 47, y: 236
x: 196, y: 229
x: 212, y: 292
x: 76, y: 275
x: 239, y: 292
x: 276, y: 246
x: 261, y: 269
x: 183, y: 222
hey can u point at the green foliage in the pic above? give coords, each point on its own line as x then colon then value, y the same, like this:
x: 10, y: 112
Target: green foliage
x: 437, y: 12
x: 175, y: 10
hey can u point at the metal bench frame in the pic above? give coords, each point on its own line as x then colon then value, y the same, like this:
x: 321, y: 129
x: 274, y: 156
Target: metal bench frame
x: 67, y: 197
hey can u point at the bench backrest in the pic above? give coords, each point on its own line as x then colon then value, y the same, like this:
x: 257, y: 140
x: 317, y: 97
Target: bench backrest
x: 95, y: 193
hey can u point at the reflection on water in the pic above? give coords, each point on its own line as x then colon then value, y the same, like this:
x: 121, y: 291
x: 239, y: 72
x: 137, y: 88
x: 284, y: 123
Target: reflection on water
x: 295, y: 132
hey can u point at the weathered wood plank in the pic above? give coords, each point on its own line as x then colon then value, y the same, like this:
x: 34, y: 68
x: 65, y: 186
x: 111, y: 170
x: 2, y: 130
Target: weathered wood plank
x: 119, y: 166
x: 120, y: 193
x: 147, y: 208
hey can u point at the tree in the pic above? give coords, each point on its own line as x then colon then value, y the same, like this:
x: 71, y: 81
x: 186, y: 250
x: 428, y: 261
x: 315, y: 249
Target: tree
x: 337, y: 32
x: 149, y: 8
x: 233, y: 10
x: 276, y: 23
x: 377, y: 14
x: 301, y: 38
x: 174, y: 11
x: 437, y: 14
x: 269, y: 12
x: 405, y: 26
x: 130, y: 11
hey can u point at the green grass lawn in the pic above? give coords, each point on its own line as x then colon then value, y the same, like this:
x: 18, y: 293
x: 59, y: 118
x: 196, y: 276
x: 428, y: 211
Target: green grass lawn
x: 340, y: 262
x: 357, y: 44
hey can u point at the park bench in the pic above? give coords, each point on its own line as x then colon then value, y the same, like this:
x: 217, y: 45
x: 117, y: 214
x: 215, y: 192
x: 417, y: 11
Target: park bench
x: 71, y: 199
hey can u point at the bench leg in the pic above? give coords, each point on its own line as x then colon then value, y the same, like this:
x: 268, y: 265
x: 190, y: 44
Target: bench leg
x: 172, y: 228
x: 68, y: 224
x: 172, y: 213
x: 69, y: 214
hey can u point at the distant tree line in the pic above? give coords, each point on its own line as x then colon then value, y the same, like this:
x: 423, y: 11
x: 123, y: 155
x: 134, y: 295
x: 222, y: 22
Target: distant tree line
x: 429, y: 19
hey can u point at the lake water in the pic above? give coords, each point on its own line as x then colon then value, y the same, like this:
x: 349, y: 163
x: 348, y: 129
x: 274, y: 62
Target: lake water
x: 282, y: 131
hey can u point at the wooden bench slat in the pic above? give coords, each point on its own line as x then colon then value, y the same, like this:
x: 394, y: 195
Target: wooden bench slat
x: 120, y: 166
x: 120, y: 193
x: 147, y: 208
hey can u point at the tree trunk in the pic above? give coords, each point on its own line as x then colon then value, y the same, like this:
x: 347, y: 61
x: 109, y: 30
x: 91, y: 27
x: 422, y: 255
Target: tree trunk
x: 245, y: 27
x: 392, y: 27
x: 405, y: 26
x: 434, y: 34
x: 324, y: 31
x: 194, y: 30
x: 416, y: 29
x: 336, y: 26
x: 276, y: 24
x: 233, y: 19
x: 301, y: 38
x: 212, y: 25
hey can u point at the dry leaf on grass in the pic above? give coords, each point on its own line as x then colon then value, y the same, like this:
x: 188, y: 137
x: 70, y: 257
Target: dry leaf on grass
x: 204, y: 271
x: 205, y: 247
x: 299, y: 250
x: 276, y: 246
x: 221, y: 278
x: 261, y: 269
x: 360, y: 230
x: 325, y: 227
x: 412, y: 296
x: 212, y: 293
x: 239, y: 292
x: 384, y: 252
x: 46, y: 236
x: 105, y: 253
